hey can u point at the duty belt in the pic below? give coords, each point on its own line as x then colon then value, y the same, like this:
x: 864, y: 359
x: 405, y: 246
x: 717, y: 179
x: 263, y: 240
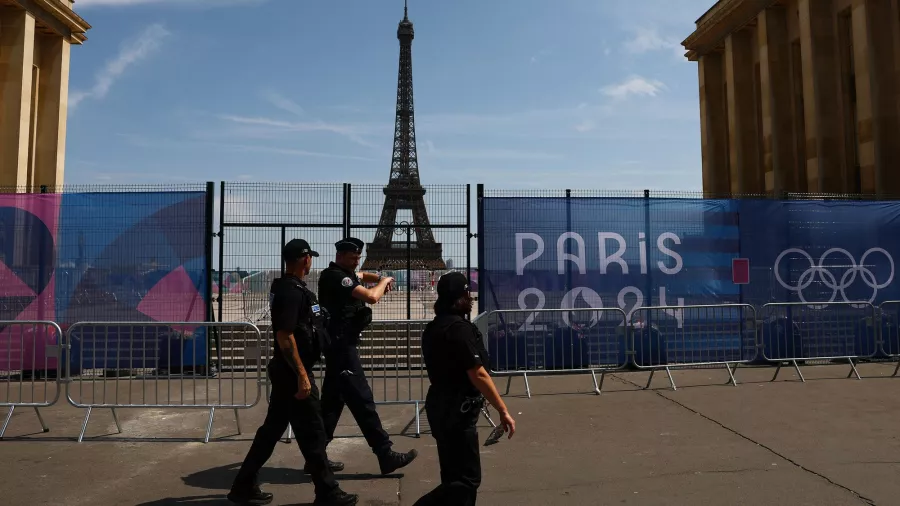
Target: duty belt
x: 472, y: 403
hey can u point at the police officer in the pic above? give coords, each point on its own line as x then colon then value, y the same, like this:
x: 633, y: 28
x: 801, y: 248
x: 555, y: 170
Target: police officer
x: 299, y: 327
x: 345, y: 298
x: 455, y: 357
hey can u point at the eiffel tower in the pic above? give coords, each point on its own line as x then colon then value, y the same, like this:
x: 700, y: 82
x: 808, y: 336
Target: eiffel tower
x: 404, y: 190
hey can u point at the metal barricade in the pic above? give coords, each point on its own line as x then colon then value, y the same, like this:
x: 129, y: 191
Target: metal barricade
x: 556, y: 341
x: 889, y: 332
x: 828, y: 331
x: 391, y: 355
x: 30, y: 353
x: 693, y: 336
x: 153, y: 365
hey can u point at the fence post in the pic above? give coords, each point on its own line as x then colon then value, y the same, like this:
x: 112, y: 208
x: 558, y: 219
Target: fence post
x: 568, y: 229
x: 408, y: 271
x: 209, y: 234
x: 479, y: 235
x: 649, y: 285
x: 347, y: 214
x: 221, y: 300
x: 468, y: 239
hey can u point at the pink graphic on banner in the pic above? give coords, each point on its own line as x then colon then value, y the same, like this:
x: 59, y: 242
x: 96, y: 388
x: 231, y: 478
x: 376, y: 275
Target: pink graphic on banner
x: 11, y: 285
x: 174, y: 299
x: 28, y: 232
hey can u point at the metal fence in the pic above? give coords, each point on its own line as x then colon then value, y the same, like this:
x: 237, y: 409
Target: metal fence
x: 831, y: 331
x: 255, y: 219
x: 29, y: 363
x: 693, y: 336
x: 130, y: 365
x: 555, y: 341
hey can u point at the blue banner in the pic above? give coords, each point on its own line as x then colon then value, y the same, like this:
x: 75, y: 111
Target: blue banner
x: 561, y: 253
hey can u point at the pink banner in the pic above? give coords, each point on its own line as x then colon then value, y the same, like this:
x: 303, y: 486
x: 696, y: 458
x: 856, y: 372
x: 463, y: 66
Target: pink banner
x: 28, y: 232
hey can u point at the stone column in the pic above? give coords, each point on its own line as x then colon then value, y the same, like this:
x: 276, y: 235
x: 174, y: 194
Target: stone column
x: 53, y: 93
x: 712, y: 126
x: 822, y: 97
x: 775, y: 94
x: 874, y: 25
x: 16, y: 61
x: 746, y: 176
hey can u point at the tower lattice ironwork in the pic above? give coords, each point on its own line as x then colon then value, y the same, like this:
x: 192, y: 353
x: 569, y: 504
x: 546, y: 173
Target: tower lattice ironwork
x: 390, y: 248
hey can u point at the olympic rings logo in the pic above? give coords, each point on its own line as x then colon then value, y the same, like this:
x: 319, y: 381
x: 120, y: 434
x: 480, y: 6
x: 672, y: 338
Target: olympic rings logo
x: 829, y: 280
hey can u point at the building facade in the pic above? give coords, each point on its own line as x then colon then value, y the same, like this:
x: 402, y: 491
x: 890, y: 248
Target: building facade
x: 799, y: 96
x: 35, y: 39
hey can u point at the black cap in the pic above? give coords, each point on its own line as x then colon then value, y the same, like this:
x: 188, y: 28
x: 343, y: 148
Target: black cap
x: 349, y: 245
x: 452, y: 285
x: 296, y: 249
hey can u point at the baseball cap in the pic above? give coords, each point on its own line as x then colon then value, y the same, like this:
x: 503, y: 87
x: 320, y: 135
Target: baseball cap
x: 296, y: 249
x: 452, y: 285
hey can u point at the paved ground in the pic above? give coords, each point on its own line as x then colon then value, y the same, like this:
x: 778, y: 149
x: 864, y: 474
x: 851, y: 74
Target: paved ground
x: 830, y: 441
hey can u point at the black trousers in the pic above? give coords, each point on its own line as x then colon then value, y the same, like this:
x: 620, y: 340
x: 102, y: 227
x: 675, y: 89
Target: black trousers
x: 345, y: 383
x: 456, y: 435
x: 306, y: 419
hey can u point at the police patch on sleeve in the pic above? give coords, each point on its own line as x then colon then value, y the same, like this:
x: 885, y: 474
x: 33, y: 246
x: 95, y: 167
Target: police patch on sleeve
x: 347, y: 282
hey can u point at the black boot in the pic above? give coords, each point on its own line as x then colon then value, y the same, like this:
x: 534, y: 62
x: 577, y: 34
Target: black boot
x: 250, y: 497
x: 334, y: 466
x: 337, y: 497
x: 390, y: 460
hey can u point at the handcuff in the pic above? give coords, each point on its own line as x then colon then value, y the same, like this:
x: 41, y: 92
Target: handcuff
x: 472, y: 402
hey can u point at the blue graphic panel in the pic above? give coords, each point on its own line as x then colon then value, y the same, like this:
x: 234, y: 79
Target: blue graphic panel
x: 559, y: 253
x: 608, y: 252
x: 820, y: 251
x: 132, y: 257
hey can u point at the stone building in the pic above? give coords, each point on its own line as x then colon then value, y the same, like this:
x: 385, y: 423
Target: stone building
x: 35, y: 38
x: 799, y: 96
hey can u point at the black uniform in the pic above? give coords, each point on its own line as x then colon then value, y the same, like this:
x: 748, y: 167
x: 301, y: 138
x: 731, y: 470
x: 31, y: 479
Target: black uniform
x: 294, y: 308
x: 345, y: 381
x: 451, y: 345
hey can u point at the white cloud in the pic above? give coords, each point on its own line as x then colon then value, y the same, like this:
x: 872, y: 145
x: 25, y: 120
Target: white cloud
x: 310, y: 124
x: 131, y: 52
x: 352, y: 132
x: 284, y: 103
x: 585, y: 126
x: 646, y: 40
x: 540, y: 55
x: 634, y: 85
x: 79, y: 4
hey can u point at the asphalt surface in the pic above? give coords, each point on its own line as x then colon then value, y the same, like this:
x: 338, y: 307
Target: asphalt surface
x: 829, y: 441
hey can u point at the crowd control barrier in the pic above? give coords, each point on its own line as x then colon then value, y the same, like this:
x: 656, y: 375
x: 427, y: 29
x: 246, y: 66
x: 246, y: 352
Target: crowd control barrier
x: 555, y: 341
x: 391, y: 354
x: 889, y: 332
x: 141, y: 365
x: 693, y: 336
x: 823, y: 331
x: 30, y: 354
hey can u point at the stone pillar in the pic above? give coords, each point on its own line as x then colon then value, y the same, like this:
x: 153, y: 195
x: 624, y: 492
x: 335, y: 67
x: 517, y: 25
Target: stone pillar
x: 746, y: 176
x: 874, y: 28
x: 822, y: 97
x: 53, y: 92
x: 713, y: 126
x: 775, y: 94
x: 16, y: 61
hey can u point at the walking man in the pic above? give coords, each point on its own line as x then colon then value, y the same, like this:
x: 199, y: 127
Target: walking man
x: 345, y: 298
x: 299, y: 326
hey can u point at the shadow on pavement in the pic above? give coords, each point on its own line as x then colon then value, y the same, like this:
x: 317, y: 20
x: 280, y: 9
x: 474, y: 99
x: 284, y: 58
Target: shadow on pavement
x: 220, y: 478
x: 202, y: 500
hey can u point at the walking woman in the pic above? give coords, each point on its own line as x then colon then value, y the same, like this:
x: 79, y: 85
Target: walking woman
x: 455, y: 359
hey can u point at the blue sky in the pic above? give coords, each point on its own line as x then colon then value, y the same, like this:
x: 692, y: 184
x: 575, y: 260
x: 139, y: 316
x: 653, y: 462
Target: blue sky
x: 509, y: 93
